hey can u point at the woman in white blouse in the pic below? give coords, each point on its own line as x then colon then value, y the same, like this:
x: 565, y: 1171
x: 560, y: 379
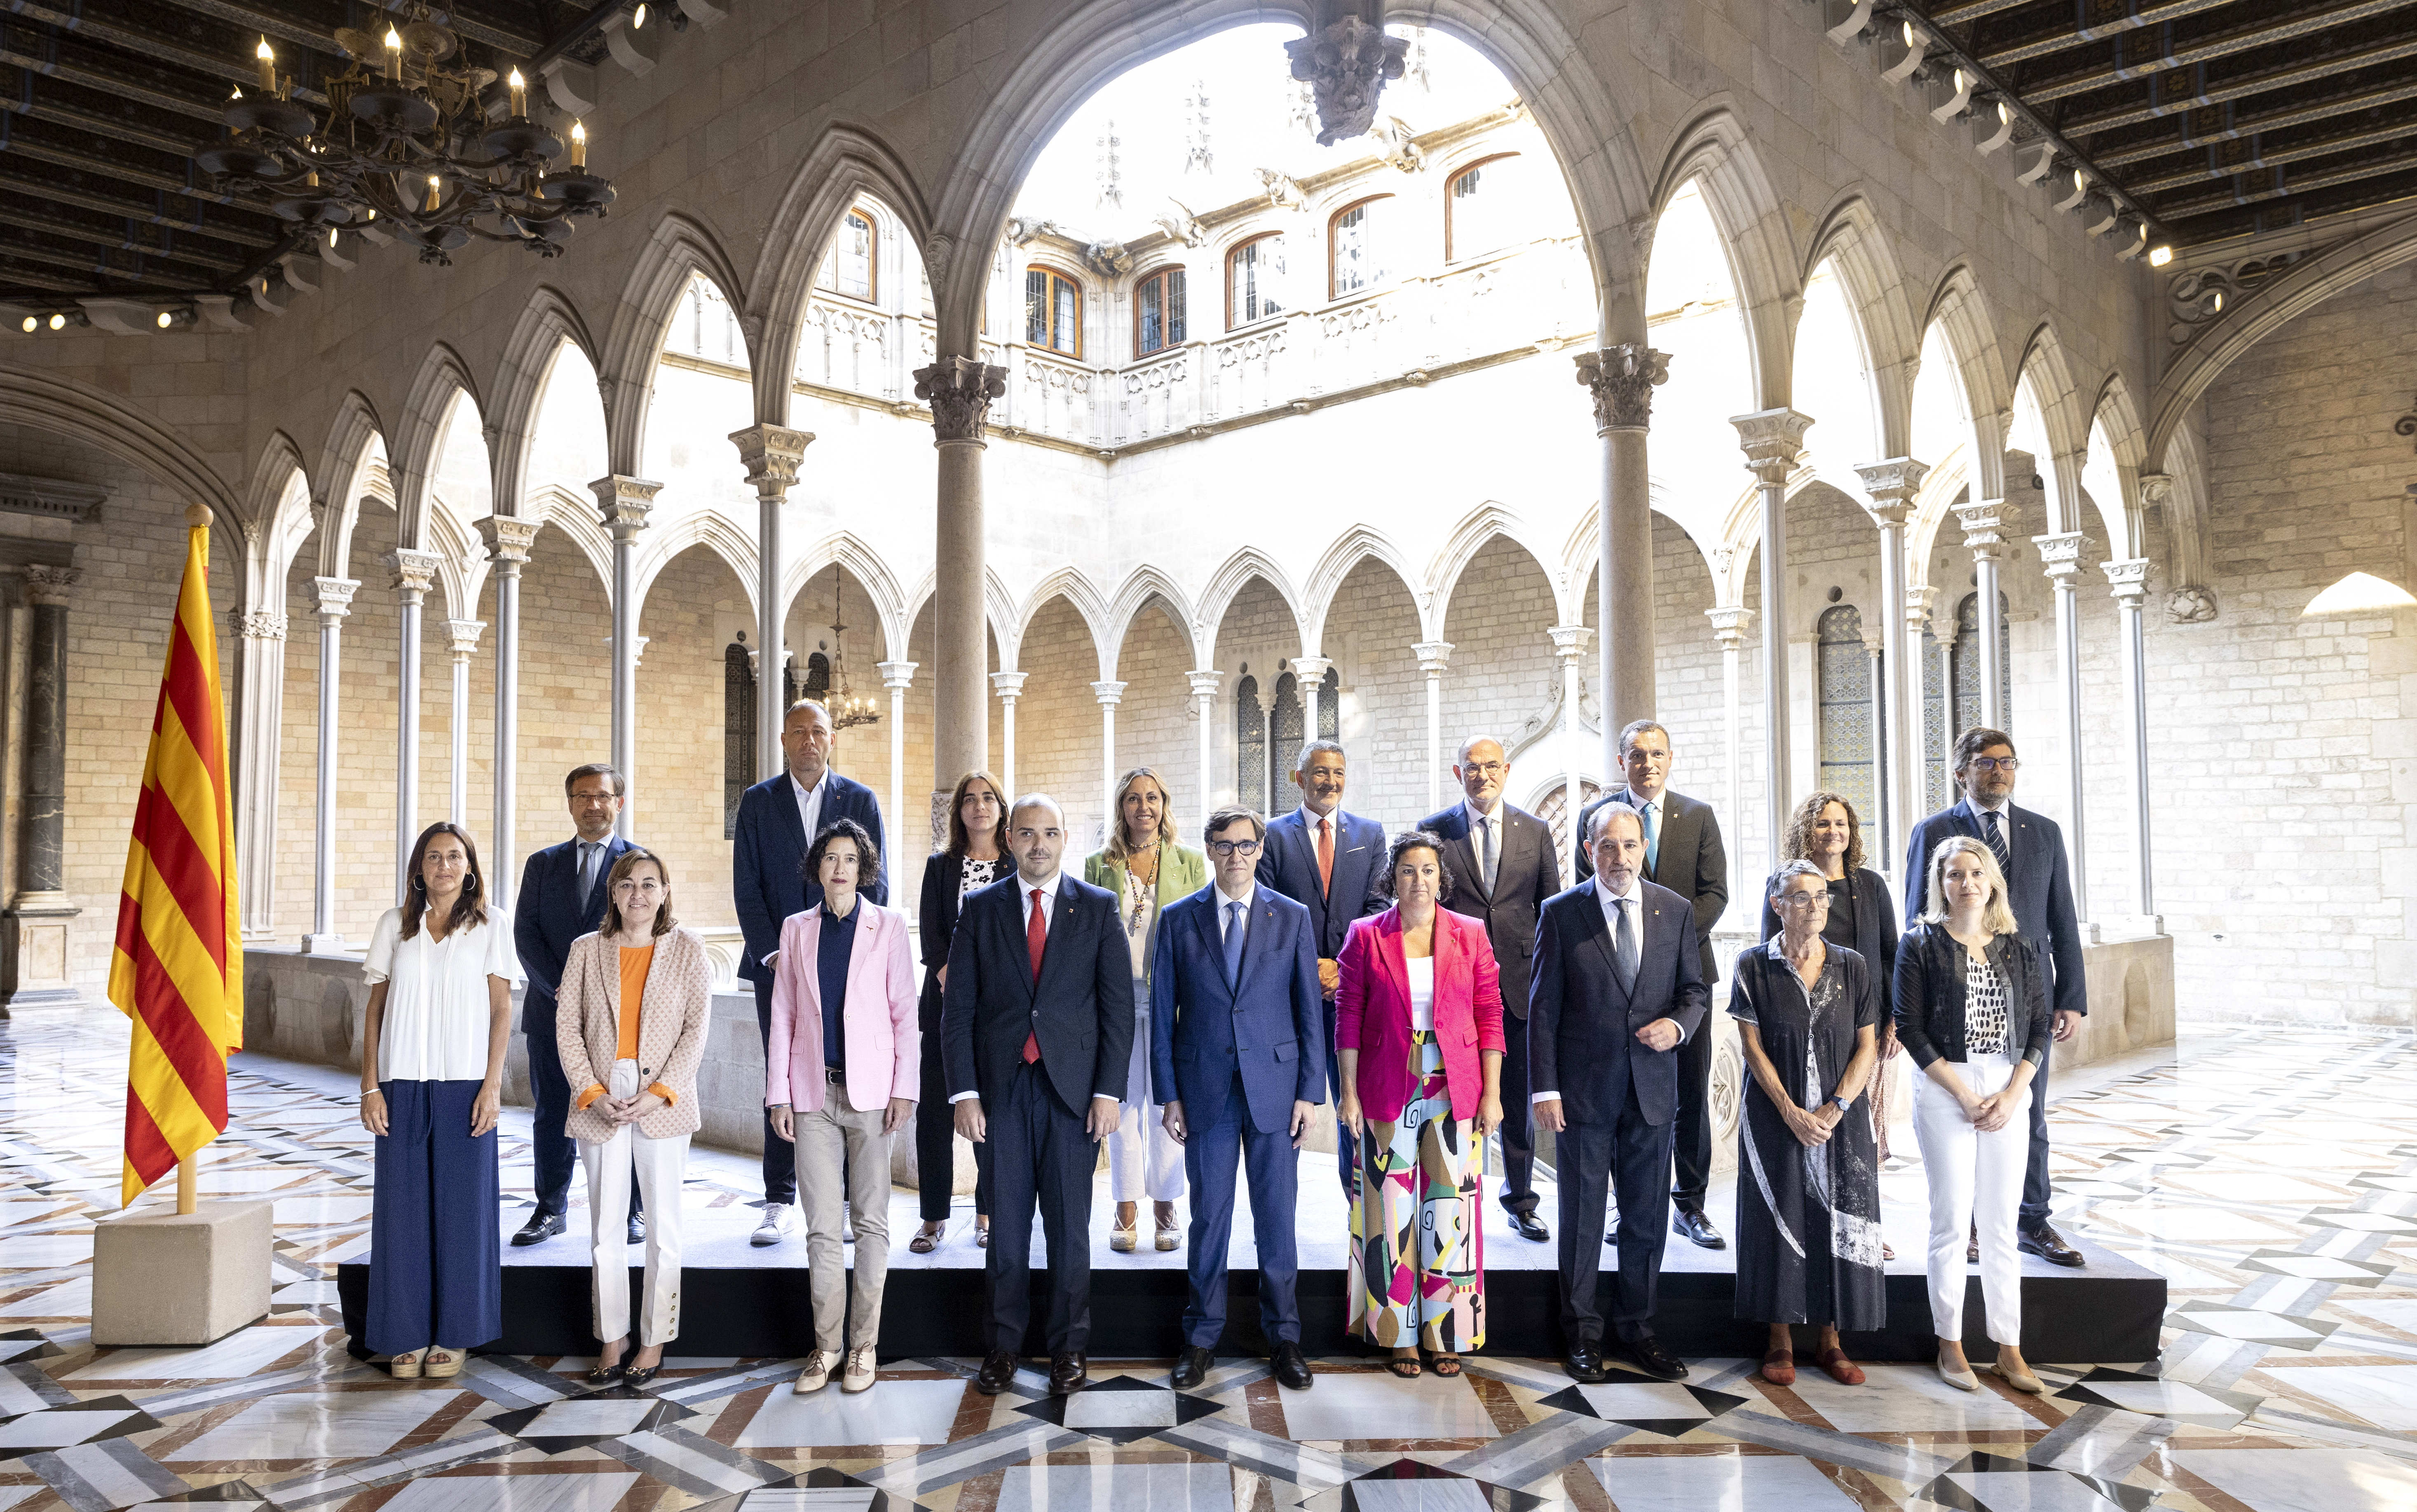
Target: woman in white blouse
x: 440, y: 972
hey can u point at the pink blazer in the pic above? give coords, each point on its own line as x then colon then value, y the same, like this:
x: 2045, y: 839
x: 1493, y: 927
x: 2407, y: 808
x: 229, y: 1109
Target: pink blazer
x: 1371, y: 1009
x: 885, y: 1052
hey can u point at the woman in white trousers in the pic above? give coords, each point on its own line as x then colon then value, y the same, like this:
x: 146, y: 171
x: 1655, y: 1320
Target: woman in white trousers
x: 631, y: 1018
x: 1972, y: 1011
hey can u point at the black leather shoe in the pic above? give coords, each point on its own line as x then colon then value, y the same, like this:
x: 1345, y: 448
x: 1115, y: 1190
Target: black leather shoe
x: 540, y: 1227
x: 2040, y: 1240
x: 1648, y: 1355
x: 1584, y: 1364
x: 1530, y: 1227
x: 637, y: 1228
x: 998, y: 1369
x: 1690, y: 1224
x: 1192, y: 1367
x: 1067, y: 1373
x: 1291, y: 1367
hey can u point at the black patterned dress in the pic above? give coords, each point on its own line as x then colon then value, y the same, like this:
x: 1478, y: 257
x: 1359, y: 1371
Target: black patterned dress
x: 1808, y: 1217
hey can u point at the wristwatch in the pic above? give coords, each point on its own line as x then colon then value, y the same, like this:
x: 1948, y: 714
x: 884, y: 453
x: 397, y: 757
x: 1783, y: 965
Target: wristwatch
x: 1846, y: 1105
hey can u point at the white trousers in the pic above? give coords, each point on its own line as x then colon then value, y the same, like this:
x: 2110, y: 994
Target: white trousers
x: 1143, y: 1160
x: 661, y: 1165
x: 1976, y: 1182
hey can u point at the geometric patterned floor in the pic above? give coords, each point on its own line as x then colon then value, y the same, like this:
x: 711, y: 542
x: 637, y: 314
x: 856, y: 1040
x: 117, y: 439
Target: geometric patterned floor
x: 2271, y: 1176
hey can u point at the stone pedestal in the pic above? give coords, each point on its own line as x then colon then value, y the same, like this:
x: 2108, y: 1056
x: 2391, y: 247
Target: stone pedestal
x: 34, y: 956
x: 168, y: 1279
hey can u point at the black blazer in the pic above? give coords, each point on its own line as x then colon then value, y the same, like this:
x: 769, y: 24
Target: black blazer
x: 1582, y: 1043
x: 2040, y: 891
x: 1082, y: 1009
x: 767, y: 879
x: 1288, y: 867
x: 547, y: 916
x: 1874, y: 930
x: 1525, y: 875
x: 936, y: 924
x: 1930, y: 995
x: 1692, y: 862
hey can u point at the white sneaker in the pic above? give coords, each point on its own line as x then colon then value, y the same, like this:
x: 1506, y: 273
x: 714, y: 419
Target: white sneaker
x: 774, y: 1227
x: 816, y: 1374
x: 859, y: 1374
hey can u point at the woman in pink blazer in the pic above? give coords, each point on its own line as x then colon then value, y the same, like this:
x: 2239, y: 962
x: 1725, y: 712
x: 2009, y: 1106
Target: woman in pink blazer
x: 1418, y: 1026
x: 841, y: 1071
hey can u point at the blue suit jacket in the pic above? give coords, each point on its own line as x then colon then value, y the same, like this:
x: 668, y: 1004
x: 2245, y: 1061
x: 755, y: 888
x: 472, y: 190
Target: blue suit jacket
x: 1081, y: 1009
x: 2040, y: 891
x: 1582, y: 1028
x: 1270, y: 1025
x: 768, y: 859
x: 1288, y: 866
x: 547, y: 916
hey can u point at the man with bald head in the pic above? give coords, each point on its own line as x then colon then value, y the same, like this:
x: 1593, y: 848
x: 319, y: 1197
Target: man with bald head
x: 1502, y: 869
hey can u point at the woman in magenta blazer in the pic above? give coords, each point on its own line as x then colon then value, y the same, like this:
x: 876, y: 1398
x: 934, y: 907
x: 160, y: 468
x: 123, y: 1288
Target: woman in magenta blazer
x: 1418, y: 1026
x: 843, y: 1068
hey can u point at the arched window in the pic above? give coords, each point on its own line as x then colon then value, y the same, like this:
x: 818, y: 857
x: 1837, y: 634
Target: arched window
x: 850, y: 269
x: 1355, y: 249
x: 1158, y: 311
x: 1284, y: 731
x: 1330, y: 705
x: 737, y: 732
x: 1253, y: 271
x: 1481, y: 208
x: 1848, y: 741
x: 1250, y: 747
x: 1968, y: 664
x: 817, y: 683
x: 1053, y: 311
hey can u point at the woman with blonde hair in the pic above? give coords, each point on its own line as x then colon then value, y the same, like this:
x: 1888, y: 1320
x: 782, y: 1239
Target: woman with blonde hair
x: 1972, y: 1010
x: 1146, y: 871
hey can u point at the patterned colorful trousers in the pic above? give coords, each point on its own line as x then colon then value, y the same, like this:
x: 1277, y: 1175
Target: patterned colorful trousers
x: 1417, y: 1251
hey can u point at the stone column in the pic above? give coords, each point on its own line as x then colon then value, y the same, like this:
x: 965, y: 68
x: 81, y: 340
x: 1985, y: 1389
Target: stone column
x: 1729, y: 627
x: 1311, y: 671
x: 771, y: 455
x: 1773, y: 440
x: 2060, y: 555
x: 1891, y: 486
x: 507, y: 546
x: 959, y: 389
x: 415, y: 573
x: 36, y: 931
x: 1009, y: 687
x: 624, y: 504
x: 897, y: 676
x: 2129, y: 579
x: 1434, y: 656
x: 1206, y: 685
x: 1981, y: 523
x: 463, y: 634
x: 1622, y: 379
x: 334, y: 598
x: 260, y: 707
x: 1570, y: 645
x: 1109, y: 695
x: 1917, y: 737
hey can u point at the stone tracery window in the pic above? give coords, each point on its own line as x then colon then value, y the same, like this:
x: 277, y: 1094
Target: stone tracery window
x: 737, y: 732
x: 1053, y: 311
x: 1253, y: 271
x: 1330, y: 705
x: 1967, y: 670
x: 1850, y: 744
x: 851, y: 268
x: 1284, y: 733
x: 1250, y: 747
x: 1355, y: 249
x: 1159, y: 319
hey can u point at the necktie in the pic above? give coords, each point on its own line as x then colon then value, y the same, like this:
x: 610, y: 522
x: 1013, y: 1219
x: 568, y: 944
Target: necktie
x: 1652, y: 837
x: 1325, y: 856
x: 1036, y: 940
x: 588, y: 850
x: 1485, y: 852
x: 1998, y: 842
x: 1625, y: 950
x: 1234, y: 944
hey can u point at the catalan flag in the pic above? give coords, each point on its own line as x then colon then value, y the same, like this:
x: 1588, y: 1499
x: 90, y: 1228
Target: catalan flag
x: 177, y: 970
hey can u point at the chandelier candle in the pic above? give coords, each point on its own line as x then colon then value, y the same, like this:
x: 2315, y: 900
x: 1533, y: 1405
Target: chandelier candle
x: 267, y: 61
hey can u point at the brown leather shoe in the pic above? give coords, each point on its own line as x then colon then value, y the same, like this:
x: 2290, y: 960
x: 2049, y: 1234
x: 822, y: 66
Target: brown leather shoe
x: 1779, y: 1367
x: 1841, y: 1369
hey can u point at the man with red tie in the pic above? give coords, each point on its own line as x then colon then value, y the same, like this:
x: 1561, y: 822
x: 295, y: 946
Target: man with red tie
x: 1036, y: 1032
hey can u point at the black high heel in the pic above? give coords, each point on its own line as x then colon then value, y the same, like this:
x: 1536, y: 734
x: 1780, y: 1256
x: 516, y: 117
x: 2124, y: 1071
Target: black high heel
x: 641, y: 1375
x: 604, y: 1375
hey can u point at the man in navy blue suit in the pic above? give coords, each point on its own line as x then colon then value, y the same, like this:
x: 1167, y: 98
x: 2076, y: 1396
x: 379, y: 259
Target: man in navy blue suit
x: 1617, y: 988
x: 1237, y: 1056
x: 1036, y: 1030
x: 562, y: 897
x: 1328, y: 862
x: 2038, y: 886
x: 778, y: 819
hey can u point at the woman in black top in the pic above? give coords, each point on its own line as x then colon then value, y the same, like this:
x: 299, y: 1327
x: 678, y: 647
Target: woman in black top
x: 1825, y: 831
x: 976, y: 850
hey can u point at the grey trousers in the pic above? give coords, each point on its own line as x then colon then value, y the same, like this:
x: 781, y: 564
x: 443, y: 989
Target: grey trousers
x: 844, y: 1162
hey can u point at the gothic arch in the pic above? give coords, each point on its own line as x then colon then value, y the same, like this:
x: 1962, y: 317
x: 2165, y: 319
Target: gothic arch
x: 1941, y: 486
x: 1069, y: 584
x: 2114, y: 418
x: 677, y: 248
x: 50, y: 402
x: 709, y: 528
x: 1852, y: 240
x: 1962, y: 314
x: 356, y: 443
x: 1143, y: 584
x: 283, y: 518
x: 1582, y: 553
x: 1715, y: 150
x: 1459, y: 549
x: 460, y: 560
x: 551, y: 504
x: 998, y: 607
x: 1356, y: 544
x: 1227, y: 584
x: 522, y: 375
x: 426, y: 415
x: 2049, y: 378
x: 846, y: 550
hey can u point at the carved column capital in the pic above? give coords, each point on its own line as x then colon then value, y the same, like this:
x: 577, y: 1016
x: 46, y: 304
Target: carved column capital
x: 509, y: 540
x: 2128, y: 580
x: 1772, y: 440
x: 1893, y: 485
x: 1570, y: 640
x: 414, y: 572
x: 333, y: 598
x: 1009, y: 685
x: 1434, y: 656
x: 259, y: 624
x: 1731, y: 623
x: 1916, y: 608
x: 2061, y: 557
x: 959, y: 390
x: 1206, y: 684
x: 1623, y: 380
x: 48, y: 585
x: 1874, y: 638
x: 624, y: 504
x: 771, y: 454
x: 896, y: 673
x: 1310, y: 669
x: 1109, y: 694
x: 1346, y: 63
x: 1981, y: 523
x: 2156, y: 489
x: 463, y: 636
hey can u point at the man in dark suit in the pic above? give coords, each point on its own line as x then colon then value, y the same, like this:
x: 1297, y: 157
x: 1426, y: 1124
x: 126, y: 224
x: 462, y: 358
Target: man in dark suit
x: 778, y: 819
x: 1502, y: 871
x: 2039, y: 887
x: 1036, y: 1024
x: 1618, y: 990
x: 562, y: 897
x: 1682, y: 852
x: 1237, y: 1056
x: 1330, y: 863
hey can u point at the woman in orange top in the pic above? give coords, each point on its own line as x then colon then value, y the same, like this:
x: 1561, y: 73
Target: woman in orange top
x: 631, y: 1018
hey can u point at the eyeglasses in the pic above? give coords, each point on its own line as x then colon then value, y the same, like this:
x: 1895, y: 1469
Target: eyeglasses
x: 1225, y: 848
x: 1995, y: 764
x: 1804, y: 899
x: 1486, y: 768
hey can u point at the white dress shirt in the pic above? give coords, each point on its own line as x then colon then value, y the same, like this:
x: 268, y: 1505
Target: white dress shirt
x: 1047, y: 904
x: 810, y: 802
x: 2005, y: 823
x: 1605, y: 899
x: 1226, y: 919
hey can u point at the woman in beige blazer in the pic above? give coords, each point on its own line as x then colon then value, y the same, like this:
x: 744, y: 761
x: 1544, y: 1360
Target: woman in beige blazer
x: 631, y: 1018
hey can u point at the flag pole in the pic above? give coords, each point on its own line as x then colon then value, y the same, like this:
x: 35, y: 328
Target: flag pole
x: 184, y: 1186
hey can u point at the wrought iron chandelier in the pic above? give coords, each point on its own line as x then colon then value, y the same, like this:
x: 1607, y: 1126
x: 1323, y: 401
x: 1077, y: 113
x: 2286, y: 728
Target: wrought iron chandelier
x: 407, y: 145
x: 849, y: 708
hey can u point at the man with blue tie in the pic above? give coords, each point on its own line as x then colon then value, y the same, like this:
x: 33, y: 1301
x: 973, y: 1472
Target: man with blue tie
x: 562, y: 897
x: 1618, y: 989
x: 1237, y: 1056
x: 778, y: 818
x: 1328, y: 862
x: 1036, y: 1028
x: 2039, y: 887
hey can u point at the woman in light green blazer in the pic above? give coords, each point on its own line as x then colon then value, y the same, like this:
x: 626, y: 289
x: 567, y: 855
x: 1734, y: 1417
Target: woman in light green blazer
x: 1146, y: 871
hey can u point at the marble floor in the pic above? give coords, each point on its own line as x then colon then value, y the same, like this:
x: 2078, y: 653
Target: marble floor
x: 2271, y: 1176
